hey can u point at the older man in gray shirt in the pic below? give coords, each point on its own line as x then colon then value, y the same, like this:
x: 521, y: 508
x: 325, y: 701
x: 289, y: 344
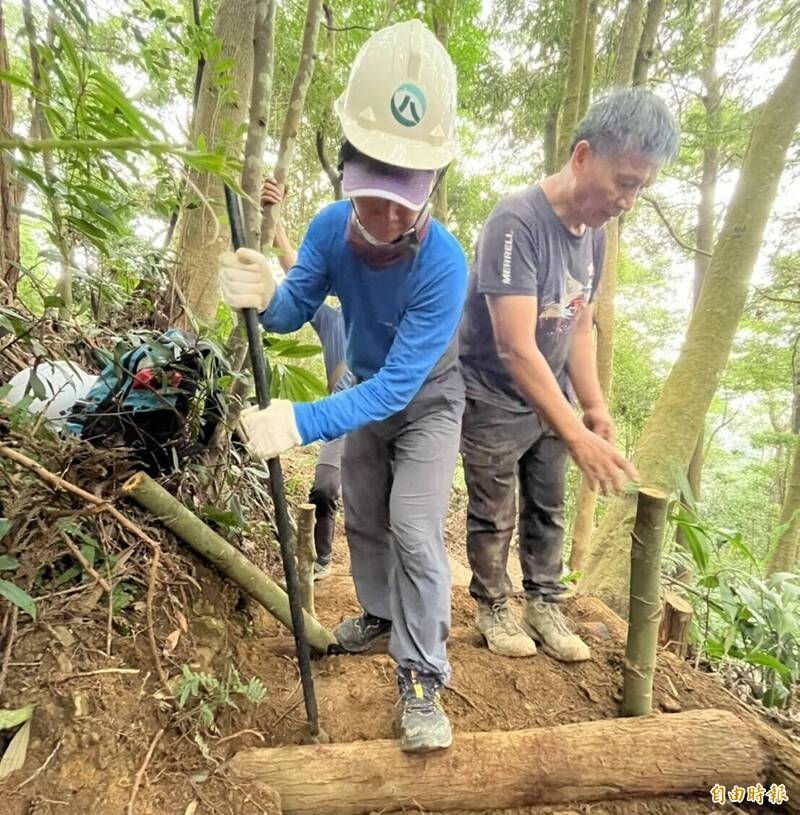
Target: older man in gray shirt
x: 527, y: 351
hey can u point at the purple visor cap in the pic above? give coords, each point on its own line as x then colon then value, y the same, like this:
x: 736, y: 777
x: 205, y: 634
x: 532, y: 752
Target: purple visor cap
x: 410, y: 188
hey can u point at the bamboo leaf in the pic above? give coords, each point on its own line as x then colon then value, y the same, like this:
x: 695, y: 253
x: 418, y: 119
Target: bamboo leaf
x: 16, y: 752
x: 15, y: 717
x: 18, y: 597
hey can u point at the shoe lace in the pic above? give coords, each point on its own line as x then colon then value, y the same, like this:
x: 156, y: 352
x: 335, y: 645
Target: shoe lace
x: 501, y: 617
x: 419, y: 692
x: 554, y: 613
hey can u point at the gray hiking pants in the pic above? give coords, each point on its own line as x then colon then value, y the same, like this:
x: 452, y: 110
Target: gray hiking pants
x: 499, y: 448
x: 396, y: 480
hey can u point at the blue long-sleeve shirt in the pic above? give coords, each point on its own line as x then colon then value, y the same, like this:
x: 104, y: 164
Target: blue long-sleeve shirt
x: 398, y: 320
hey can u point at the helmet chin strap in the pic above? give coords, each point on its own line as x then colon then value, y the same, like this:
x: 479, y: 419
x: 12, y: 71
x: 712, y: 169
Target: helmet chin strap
x: 409, y: 240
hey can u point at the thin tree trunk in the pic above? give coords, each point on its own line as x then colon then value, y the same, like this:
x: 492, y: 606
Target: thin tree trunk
x: 704, y: 232
x: 587, y: 74
x: 786, y: 556
x: 570, y: 106
x: 41, y: 128
x: 203, y: 232
x: 628, y: 44
x: 442, y: 20
x: 260, y: 99
x: 294, y: 113
x: 670, y: 434
x: 330, y: 170
x: 9, y: 214
x: 586, y: 501
x: 645, y: 56
x: 551, y: 139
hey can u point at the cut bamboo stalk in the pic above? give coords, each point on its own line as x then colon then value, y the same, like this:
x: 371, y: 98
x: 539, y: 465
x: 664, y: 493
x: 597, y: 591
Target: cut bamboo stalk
x: 232, y: 563
x: 645, y: 603
x: 306, y: 555
x: 676, y: 618
x: 653, y: 755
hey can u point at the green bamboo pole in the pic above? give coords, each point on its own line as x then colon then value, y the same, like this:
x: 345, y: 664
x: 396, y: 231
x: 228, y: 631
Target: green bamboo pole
x: 232, y: 563
x: 645, y: 603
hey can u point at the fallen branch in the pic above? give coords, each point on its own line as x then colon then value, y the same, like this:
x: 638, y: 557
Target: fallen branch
x: 61, y: 484
x: 140, y: 775
x: 10, y: 631
x: 232, y: 563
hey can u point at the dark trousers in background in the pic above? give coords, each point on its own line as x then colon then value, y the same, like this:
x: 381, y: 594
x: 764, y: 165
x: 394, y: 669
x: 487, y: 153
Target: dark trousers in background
x: 500, y: 448
x: 325, y: 496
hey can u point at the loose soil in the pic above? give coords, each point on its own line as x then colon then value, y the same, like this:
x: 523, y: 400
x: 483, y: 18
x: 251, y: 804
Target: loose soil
x: 92, y: 728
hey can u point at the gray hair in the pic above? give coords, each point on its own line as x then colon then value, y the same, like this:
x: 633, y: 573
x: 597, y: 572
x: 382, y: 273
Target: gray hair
x: 630, y: 121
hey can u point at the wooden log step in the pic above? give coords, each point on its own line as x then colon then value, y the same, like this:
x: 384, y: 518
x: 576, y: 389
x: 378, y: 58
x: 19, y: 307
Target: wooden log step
x: 653, y: 755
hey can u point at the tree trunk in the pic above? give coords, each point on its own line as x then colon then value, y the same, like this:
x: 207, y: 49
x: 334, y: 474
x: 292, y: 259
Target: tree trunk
x: 586, y: 501
x: 294, y: 114
x: 442, y: 23
x: 587, y: 74
x: 786, y: 556
x: 202, y: 230
x: 570, y: 105
x: 551, y: 139
x: 9, y: 215
x: 589, y: 761
x: 41, y: 130
x: 645, y: 56
x: 330, y: 170
x: 671, y: 432
x: 260, y: 99
x: 645, y: 603
x: 628, y: 44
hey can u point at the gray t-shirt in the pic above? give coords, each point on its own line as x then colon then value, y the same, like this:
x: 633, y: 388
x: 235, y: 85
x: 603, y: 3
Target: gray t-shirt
x: 525, y: 248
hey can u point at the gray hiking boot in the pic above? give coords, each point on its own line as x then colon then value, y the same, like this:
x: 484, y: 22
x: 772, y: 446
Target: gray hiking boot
x: 424, y: 725
x: 546, y: 624
x: 502, y: 632
x: 359, y: 634
x: 321, y: 570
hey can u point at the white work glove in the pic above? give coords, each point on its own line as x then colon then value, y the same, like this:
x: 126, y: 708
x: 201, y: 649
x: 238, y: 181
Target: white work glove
x: 271, y: 431
x: 246, y: 279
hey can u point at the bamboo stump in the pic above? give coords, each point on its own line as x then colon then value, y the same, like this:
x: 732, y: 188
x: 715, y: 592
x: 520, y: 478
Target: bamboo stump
x: 231, y: 562
x: 590, y: 761
x: 306, y: 556
x: 673, y: 633
x: 645, y: 603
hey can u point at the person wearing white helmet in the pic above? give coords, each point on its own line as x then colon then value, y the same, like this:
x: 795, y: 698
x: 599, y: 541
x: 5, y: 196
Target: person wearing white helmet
x: 401, y: 280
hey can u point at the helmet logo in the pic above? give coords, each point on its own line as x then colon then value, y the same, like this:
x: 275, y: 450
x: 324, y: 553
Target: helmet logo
x: 408, y: 105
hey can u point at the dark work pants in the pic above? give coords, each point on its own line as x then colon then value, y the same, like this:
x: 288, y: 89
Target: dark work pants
x: 501, y: 448
x: 325, y: 496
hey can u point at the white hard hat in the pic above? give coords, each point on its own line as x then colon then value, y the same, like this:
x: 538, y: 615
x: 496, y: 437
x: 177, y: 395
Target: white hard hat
x: 64, y: 384
x: 399, y: 106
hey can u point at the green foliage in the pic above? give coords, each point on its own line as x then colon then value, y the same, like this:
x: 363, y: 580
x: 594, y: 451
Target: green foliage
x: 11, y: 591
x: 203, y: 695
x: 739, y: 614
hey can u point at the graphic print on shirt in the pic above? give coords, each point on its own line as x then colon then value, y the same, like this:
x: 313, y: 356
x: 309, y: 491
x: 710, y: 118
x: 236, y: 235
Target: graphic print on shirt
x: 560, y: 316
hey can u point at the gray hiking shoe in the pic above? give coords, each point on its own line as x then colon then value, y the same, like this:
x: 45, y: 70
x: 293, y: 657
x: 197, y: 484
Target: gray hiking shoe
x: 424, y: 725
x: 321, y: 570
x: 359, y: 634
x: 502, y: 632
x: 546, y: 624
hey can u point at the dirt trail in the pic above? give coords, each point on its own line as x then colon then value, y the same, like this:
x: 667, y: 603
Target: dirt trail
x: 92, y: 728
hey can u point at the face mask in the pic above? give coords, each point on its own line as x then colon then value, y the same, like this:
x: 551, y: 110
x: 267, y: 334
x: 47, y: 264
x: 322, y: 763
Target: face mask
x: 379, y: 254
